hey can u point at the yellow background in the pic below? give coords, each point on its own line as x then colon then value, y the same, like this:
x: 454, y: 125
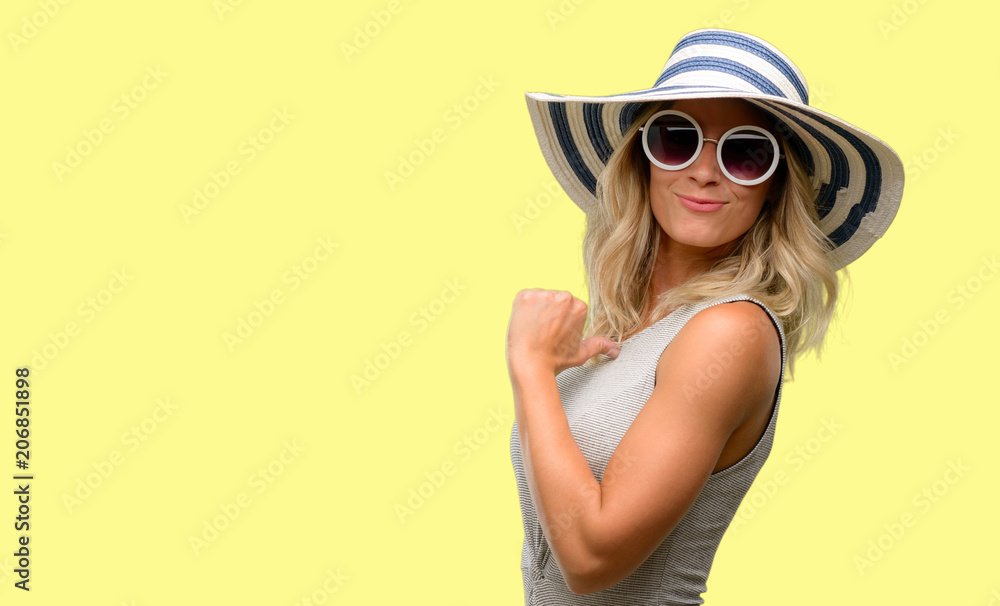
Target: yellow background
x: 343, y: 457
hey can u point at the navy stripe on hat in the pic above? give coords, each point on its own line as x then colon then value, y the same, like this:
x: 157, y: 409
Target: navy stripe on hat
x: 840, y: 170
x: 873, y: 184
x: 840, y: 175
x: 558, y: 112
x: 726, y: 66
x: 826, y: 195
x: 628, y: 115
x: 794, y: 141
x: 740, y: 42
x: 595, y: 130
x: 686, y: 87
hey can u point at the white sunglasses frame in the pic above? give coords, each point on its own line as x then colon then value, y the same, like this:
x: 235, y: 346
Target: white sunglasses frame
x: 718, y: 147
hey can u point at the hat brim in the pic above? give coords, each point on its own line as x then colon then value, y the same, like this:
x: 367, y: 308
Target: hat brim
x: 860, y: 177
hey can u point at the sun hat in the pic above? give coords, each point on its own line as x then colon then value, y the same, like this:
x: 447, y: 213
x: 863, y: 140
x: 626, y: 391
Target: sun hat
x: 860, y: 178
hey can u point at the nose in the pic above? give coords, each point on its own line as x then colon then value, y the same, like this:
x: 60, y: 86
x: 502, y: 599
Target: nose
x: 705, y: 168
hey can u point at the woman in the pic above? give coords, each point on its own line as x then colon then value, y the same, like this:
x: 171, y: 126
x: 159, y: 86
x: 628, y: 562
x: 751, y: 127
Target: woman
x: 719, y: 208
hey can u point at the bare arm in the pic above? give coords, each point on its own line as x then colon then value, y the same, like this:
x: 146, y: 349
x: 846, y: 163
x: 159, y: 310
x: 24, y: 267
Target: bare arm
x: 606, y: 530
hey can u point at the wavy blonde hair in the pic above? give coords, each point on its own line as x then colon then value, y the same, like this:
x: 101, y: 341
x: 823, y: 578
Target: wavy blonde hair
x: 783, y: 260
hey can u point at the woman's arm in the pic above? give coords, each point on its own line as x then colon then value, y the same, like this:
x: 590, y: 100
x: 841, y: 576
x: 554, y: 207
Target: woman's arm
x: 601, y: 532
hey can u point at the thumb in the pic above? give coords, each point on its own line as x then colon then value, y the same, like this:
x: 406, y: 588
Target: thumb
x: 599, y: 345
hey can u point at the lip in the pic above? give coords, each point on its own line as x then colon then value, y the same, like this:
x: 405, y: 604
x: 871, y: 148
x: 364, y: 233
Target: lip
x: 701, y: 205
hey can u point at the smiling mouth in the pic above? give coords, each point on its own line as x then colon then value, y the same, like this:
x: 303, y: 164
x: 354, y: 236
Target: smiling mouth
x: 700, y: 200
x: 702, y: 205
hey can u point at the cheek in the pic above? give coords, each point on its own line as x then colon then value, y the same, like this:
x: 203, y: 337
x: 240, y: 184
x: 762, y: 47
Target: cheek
x: 660, y: 182
x: 754, y: 203
x: 750, y: 208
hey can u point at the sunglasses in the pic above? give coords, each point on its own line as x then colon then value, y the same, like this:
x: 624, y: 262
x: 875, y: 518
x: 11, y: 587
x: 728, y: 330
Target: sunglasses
x: 748, y: 155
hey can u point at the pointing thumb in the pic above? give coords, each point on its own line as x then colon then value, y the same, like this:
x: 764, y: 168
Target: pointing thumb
x: 600, y: 345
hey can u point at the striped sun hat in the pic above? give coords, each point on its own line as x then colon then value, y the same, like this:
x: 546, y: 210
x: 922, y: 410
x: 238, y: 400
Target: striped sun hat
x: 860, y: 178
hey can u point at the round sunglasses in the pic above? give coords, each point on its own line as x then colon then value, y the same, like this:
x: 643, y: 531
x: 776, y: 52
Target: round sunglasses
x: 748, y: 155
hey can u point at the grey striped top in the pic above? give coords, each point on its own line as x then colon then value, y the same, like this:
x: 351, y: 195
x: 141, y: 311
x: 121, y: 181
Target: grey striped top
x: 600, y: 404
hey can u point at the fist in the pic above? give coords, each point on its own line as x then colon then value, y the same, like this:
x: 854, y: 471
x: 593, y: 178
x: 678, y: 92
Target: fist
x: 544, y: 333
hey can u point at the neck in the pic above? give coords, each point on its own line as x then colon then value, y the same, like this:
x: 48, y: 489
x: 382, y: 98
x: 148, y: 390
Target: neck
x: 677, y: 263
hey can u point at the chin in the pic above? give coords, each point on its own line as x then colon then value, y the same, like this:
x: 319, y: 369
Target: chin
x: 698, y: 239
x: 706, y: 244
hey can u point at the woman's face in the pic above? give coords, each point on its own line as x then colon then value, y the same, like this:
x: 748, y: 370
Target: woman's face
x: 698, y: 205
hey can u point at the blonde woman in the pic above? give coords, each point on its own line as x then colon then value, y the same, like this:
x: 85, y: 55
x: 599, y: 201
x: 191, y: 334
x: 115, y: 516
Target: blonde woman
x: 720, y: 207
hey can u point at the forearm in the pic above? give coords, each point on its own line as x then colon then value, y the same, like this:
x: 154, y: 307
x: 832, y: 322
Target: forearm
x: 566, y: 495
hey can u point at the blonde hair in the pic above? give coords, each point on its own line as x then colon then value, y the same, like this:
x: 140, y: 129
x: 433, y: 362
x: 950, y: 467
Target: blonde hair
x: 783, y: 260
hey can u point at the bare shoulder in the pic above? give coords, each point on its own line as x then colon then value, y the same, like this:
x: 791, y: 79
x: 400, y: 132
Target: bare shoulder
x: 731, y: 354
x: 740, y: 320
x: 738, y: 327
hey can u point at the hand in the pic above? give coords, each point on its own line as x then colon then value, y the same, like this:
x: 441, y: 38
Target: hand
x: 544, y: 332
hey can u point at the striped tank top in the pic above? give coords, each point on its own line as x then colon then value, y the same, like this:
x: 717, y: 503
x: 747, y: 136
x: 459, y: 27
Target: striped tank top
x: 600, y: 404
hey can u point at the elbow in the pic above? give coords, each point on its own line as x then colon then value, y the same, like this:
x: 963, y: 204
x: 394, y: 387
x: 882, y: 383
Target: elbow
x: 583, y: 586
x: 583, y: 583
x: 591, y: 560
x: 588, y: 574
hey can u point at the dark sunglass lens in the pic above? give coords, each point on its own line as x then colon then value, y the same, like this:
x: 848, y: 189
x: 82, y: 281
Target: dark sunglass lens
x: 747, y: 154
x: 672, y: 140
